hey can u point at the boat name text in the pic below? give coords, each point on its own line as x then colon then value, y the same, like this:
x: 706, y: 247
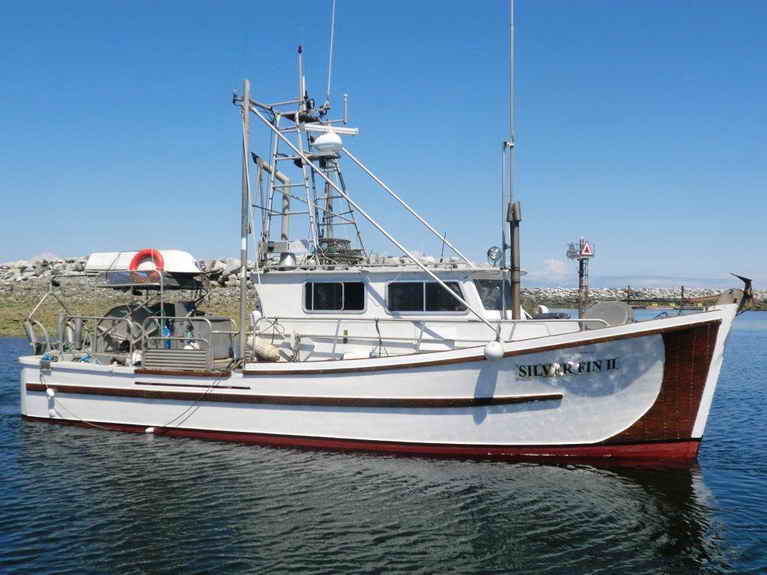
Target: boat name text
x: 566, y: 368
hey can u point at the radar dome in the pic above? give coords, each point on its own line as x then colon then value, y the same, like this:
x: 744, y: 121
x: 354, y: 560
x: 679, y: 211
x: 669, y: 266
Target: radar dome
x: 328, y: 143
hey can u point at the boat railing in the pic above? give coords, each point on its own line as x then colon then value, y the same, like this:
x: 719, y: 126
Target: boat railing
x: 93, y: 335
x: 585, y: 323
x: 37, y: 335
x: 113, y: 335
x: 427, y: 330
x: 434, y: 320
x: 187, y: 342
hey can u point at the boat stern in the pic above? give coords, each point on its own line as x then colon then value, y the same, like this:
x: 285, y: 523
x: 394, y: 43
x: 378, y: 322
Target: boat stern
x: 30, y: 373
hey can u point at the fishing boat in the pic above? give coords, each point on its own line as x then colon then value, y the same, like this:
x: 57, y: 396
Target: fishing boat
x: 345, y: 349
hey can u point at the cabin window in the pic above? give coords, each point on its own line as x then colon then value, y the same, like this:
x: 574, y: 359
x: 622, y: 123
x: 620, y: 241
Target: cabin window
x: 354, y: 296
x: 490, y: 294
x: 423, y: 296
x: 334, y: 296
x: 405, y: 296
x: 437, y: 298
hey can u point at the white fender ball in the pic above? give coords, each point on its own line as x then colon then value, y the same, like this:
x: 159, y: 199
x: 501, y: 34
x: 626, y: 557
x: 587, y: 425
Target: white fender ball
x: 494, y: 350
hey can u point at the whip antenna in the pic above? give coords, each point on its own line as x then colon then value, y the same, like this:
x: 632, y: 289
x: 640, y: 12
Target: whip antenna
x: 331, y: 52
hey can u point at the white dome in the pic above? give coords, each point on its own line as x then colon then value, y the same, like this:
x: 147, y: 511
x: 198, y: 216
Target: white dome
x: 328, y: 143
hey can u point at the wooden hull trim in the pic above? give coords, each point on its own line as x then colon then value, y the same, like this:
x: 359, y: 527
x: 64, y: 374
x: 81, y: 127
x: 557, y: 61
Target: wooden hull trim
x: 370, y: 402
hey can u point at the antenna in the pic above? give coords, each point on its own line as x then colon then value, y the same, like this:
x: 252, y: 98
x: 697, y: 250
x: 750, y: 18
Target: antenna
x: 331, y: 51
x: 346, y: 108
x: 511, y: 82
x: 301, y: 81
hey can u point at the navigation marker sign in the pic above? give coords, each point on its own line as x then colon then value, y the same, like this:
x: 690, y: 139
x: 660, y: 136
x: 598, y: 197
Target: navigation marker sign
x: 586, y: 250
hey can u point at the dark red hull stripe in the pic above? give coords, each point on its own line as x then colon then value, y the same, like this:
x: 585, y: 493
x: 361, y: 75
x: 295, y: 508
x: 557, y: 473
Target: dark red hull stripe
x: 204, y: 395
x: 320, y: 369
x: 660, y: 451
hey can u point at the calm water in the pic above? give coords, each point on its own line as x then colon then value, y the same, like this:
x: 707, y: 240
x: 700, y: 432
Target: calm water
x: 87, y: 501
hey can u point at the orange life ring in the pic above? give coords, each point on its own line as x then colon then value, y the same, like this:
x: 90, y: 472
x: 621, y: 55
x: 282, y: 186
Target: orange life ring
x: 141, y: 255
x: 148, y: 253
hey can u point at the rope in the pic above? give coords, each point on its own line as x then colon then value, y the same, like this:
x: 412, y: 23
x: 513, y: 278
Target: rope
x: 70, y: 412
x: 381, y: 348
x: 195, y: 405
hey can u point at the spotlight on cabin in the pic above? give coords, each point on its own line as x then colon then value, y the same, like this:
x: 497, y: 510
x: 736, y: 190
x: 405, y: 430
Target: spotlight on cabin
x: 287, y: 261
x: 494, y: 256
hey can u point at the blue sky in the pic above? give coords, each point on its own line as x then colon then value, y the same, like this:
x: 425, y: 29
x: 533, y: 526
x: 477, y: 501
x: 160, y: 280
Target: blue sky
x: 640, y: 125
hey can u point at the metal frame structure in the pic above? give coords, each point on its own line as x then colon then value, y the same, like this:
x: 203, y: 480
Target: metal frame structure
x: 317, y: 167
x: 93, y: 338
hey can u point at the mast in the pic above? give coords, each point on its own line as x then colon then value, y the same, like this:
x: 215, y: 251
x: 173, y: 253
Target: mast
x: 513, y: 210
x: 244, y: 214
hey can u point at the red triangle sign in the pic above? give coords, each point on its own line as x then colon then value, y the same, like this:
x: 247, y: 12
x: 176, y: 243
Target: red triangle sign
x: 587, y: 250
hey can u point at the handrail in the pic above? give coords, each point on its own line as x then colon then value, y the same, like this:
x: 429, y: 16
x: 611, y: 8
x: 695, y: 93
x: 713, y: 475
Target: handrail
x: 170, y: 338
x: 207, y: 341
x: 100, y: 317
x: 232, y: 323
x: 31, y: 333
x: 320, y: 336
x: 103, y: 317
x: 96, y: 336
x: 435, y: 320
x: 423, y: 325
x: 180, y: 338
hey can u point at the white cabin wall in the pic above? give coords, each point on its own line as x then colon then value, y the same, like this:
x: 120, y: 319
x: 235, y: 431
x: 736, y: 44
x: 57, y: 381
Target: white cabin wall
x: 282, y: 293
x: 317, y: 335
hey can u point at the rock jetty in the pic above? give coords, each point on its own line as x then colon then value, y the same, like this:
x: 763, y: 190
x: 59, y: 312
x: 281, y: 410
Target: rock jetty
x: 33, y: 276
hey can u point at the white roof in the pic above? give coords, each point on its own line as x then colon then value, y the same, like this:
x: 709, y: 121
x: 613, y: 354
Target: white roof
x: 176, y: 261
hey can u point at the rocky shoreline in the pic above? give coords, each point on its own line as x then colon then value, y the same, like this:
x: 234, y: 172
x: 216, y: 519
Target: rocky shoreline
x: 23, y: 283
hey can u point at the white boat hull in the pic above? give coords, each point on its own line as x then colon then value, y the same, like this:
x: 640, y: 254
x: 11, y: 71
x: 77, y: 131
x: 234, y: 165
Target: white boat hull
x: 639, y: 391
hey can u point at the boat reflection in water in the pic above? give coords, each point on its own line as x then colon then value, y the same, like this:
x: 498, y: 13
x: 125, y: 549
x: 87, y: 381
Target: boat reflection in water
x: 235, y: 507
